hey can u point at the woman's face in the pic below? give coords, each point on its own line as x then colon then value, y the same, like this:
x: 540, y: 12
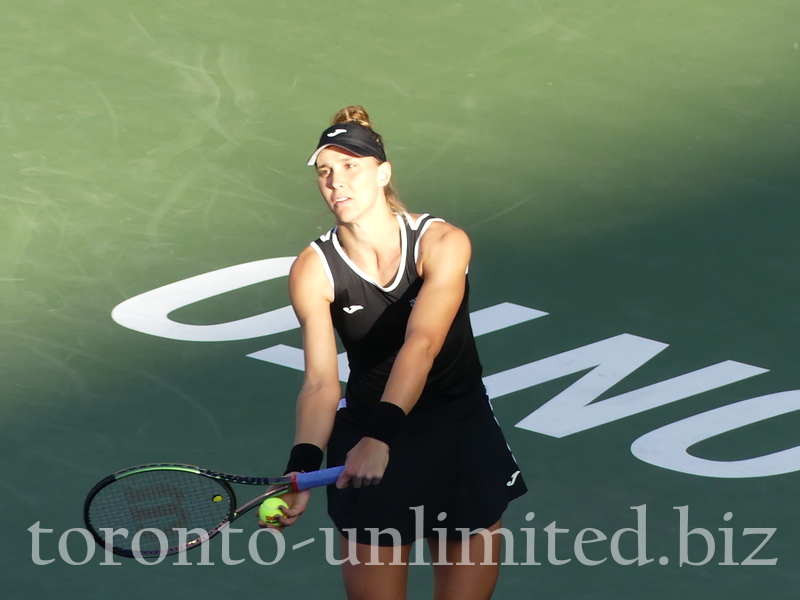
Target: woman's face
x: 351, y: 185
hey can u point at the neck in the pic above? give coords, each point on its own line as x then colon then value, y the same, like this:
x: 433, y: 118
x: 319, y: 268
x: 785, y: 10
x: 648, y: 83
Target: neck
x: 373, y: 233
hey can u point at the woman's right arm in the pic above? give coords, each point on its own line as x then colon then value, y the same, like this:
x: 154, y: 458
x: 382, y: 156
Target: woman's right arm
x: 311, y: 296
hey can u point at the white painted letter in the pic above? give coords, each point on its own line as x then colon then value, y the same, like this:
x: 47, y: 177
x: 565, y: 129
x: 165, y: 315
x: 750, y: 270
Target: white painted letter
x: 613, y: 359
x: 668, y: 446
x: 149, y: 312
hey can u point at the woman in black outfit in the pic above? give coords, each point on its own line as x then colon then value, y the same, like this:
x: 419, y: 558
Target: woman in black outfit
x: 415, y: 428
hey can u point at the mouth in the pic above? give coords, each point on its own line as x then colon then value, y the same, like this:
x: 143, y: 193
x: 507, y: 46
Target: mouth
x: 341, y: 200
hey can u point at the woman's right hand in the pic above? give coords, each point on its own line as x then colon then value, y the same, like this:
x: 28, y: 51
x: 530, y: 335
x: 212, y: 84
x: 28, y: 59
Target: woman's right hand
x: 297, y: 501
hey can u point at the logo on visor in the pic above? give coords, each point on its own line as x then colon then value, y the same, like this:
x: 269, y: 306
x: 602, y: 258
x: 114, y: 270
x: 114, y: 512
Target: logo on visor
x: 337, y: 132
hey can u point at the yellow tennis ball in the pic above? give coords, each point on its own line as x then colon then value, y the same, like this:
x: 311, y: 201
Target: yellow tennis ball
x: 270, y: 510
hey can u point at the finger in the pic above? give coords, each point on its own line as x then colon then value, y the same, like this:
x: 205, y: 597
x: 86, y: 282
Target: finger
x: 344, y: 480
x: 264, y: 525
x: 297, y: 509
x: 283, y: 522
x: 292, y: 513
x: 287, y: 522
x: 277, y: 526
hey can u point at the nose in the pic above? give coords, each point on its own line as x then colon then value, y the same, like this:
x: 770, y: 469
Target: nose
x: 334, y: 180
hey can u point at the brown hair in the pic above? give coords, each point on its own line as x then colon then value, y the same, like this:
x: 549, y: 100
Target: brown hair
x: 359, y: 115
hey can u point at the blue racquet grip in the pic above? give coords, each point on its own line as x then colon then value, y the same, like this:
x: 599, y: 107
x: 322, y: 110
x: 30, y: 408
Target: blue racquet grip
x: 305, y: 481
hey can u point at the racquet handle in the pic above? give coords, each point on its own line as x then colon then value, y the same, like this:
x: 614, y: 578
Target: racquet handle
x: 305, y: 481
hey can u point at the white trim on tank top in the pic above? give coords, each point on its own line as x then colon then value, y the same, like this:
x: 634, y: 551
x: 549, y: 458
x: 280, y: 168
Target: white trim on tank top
x: 421, y: 233
x: 412, y: 223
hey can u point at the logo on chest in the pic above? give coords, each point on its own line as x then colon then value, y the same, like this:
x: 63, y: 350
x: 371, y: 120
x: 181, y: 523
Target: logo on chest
x: 351, y: 309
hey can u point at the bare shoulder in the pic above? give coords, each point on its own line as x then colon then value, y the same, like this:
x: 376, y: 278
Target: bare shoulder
x: 307, y: 278
x: 444, y: 243
x: 442, y: 233
x: 307, y: 265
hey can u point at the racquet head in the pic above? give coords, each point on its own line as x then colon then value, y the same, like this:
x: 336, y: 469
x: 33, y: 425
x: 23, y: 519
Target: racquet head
x: 162, y: 510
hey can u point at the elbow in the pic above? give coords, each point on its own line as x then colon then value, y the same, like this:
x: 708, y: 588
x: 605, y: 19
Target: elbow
x: 423, y: 346
x: 323, y: 388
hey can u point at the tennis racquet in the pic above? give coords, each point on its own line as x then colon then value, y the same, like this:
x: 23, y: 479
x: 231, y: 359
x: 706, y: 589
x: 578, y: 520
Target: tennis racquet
x: 151, y: 510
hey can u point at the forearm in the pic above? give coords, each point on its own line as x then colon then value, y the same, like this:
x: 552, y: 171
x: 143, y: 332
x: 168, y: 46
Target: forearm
x: 316, y: 411
x: 367, y: 461
x: 409, y: 373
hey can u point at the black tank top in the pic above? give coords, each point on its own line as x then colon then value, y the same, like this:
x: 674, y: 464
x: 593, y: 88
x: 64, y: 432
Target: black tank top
x: 371, y: 321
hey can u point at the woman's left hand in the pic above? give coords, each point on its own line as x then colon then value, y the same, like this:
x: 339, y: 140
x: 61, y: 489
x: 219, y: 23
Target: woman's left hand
x: 365, y: 463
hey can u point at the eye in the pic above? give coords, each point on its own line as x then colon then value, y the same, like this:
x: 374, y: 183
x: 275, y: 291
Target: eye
x: 351, y: 165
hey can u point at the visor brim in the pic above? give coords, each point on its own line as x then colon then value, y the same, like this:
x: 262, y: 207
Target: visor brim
x: 358, y: 151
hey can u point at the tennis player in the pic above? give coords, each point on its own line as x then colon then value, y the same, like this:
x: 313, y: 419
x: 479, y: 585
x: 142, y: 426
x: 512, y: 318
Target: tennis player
x: 423, y: 453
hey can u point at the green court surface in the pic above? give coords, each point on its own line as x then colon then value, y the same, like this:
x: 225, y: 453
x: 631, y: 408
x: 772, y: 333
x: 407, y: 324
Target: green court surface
x: 629, y: 168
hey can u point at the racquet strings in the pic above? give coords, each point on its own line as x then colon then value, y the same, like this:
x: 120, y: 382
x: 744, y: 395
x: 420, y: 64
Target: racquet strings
x: 162, y: 500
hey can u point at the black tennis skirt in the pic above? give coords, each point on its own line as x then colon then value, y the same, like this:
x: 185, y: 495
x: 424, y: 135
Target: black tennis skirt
x: 452, y: 461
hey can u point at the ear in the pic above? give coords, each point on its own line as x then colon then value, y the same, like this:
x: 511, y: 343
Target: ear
x: 384, y: 173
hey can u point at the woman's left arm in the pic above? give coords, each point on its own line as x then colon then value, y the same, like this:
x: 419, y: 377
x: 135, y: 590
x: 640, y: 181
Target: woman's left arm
x: 444, y: 257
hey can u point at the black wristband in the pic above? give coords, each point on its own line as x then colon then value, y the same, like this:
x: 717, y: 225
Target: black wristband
x: 304, y: 458
x: 385, y: 422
